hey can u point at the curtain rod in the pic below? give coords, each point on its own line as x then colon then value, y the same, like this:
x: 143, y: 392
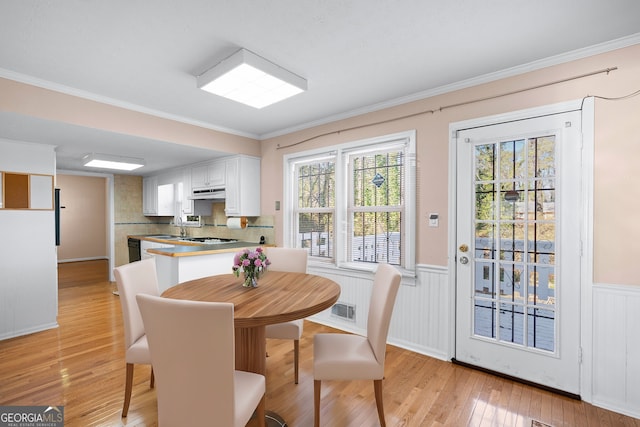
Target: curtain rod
x: 473, y: 101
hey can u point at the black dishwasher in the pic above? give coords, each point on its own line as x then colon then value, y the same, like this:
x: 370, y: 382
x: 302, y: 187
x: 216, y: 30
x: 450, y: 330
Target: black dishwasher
x: 134, y: 250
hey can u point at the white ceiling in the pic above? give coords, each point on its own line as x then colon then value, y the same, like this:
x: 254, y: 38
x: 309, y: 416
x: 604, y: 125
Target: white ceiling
x: 357, y: 55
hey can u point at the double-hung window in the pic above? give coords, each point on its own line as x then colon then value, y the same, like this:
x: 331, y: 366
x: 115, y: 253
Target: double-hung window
x: 353, y: 205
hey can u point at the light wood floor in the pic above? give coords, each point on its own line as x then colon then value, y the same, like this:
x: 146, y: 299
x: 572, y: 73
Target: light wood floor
x: 81, y: 365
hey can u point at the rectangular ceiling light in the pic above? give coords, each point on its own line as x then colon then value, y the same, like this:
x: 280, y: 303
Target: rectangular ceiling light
x: 107, y: 161
x: 250, y: 79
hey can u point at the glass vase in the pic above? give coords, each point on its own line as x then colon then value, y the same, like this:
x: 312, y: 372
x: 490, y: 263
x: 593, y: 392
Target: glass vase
x: 250, y: 281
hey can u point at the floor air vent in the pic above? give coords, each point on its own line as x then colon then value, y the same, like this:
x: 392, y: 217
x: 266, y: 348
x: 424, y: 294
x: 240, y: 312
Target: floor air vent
x: 344, y: 311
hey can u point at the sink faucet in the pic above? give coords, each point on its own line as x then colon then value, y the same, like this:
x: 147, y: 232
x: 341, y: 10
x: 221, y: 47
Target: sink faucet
x: 183, y: 228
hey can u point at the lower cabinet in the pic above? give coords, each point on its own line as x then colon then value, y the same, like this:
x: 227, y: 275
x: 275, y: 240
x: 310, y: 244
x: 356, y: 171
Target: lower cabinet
x: 173, y: 270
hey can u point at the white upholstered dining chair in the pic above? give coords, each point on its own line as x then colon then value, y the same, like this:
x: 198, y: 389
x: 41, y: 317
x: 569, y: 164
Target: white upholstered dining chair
x: 289, y: 260
x: 193, y: 354
x: 132, y: 279
x: 338, y: 356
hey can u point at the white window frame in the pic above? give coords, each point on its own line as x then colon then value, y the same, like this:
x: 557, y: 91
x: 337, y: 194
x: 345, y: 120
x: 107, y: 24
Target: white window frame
x: 342, y: 152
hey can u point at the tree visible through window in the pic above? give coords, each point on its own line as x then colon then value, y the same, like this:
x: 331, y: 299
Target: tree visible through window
x: 354, y: 204
x: 315, y: 207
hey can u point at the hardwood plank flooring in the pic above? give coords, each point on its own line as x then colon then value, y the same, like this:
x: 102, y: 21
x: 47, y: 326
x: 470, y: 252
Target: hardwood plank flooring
x: 81, y: 365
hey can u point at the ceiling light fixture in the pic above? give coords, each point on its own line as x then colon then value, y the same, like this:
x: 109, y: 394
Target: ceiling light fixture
x: 107, y: 161
x: 250, y: 79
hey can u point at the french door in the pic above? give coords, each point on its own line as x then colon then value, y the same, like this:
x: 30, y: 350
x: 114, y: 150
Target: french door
x: 518, y: 249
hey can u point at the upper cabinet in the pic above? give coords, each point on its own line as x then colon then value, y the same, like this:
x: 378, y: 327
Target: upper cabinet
x: 242, y: 186
x: 208, y: 174
x: 150, y: 195
x: 169, y: 194
x: 158, y: 196
x: 184, y: 192
x: 26, y: 191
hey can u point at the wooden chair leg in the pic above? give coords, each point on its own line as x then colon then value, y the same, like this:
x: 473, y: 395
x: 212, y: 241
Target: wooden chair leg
x: 316, y: 403
x: 377, y: 388
x: 261, y: 413
x: 153, y: 379
x: 296, y: 358
x: 128, y: 385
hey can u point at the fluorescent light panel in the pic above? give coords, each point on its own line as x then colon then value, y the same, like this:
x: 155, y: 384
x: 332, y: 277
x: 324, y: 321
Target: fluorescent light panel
x: 107, y: 161
x: 252, y: 80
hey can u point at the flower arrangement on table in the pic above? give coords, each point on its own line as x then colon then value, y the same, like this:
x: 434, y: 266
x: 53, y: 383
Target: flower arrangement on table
x: 252, y: 264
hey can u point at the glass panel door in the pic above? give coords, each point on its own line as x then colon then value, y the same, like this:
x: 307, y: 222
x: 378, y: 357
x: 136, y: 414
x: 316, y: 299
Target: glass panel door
x: 518, y: 239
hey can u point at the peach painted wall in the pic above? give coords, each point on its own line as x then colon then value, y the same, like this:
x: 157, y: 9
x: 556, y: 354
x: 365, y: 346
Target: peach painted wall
x: 51, y: 105
x: 617, y: 152
x: 83, y: 221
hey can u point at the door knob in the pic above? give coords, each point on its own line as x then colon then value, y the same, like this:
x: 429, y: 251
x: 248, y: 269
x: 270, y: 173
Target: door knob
x: 464, y: 260
x: 463, y: 248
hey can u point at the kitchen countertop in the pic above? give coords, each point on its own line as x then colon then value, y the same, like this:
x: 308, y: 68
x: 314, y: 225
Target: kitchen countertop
x: 220, y: 248
x: 182, y: 249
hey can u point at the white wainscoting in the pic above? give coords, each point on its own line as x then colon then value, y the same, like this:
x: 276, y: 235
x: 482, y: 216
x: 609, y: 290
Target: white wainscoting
x: 616, y: 348
x: 421, y: 319
x: 423, y: 322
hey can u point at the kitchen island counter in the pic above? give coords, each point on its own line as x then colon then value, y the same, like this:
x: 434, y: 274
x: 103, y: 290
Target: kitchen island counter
x: 180, y: 250
x: 178, y: 263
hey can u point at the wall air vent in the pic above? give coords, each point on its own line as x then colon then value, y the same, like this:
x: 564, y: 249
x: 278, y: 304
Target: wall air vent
x: 344, y: 311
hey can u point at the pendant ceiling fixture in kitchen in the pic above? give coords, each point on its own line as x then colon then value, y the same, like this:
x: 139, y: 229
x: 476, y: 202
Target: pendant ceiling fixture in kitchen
x: 250, y: 79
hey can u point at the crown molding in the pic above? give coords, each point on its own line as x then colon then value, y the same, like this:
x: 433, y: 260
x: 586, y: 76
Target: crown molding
x: 67, y: 90
x: 463, y: 84
x: 486, y: 78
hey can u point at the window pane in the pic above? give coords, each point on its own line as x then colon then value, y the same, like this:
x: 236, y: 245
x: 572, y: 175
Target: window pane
x: 377, y: 179
x: 484, y: 280
x: 485, y: 202
x: 376, y: 237
x: 316, y: 185
x: 512, y: 158
x: 485, y: 162
x: 315, y: 233
x: 542, y: 156
x: 511, y: 323
x: 485, y: 240
x: 484, y: 319
x: 541, y: 328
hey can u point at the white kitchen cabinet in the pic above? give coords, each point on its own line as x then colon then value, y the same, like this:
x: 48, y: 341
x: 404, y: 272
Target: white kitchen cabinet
x: 166, y: 200
x: 208, y: 174
x: 242, y: 186
x: 185, y: 192
x: 157, y: 199
x: 150, y: 195
x: 145, y: 245
x: 172, y: 270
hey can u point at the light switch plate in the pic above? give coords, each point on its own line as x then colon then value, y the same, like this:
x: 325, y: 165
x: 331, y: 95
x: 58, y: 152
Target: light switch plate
x: 433, y: 220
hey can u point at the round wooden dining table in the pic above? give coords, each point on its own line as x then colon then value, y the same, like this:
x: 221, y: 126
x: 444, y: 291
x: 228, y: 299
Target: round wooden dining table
x: 279, y: 297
